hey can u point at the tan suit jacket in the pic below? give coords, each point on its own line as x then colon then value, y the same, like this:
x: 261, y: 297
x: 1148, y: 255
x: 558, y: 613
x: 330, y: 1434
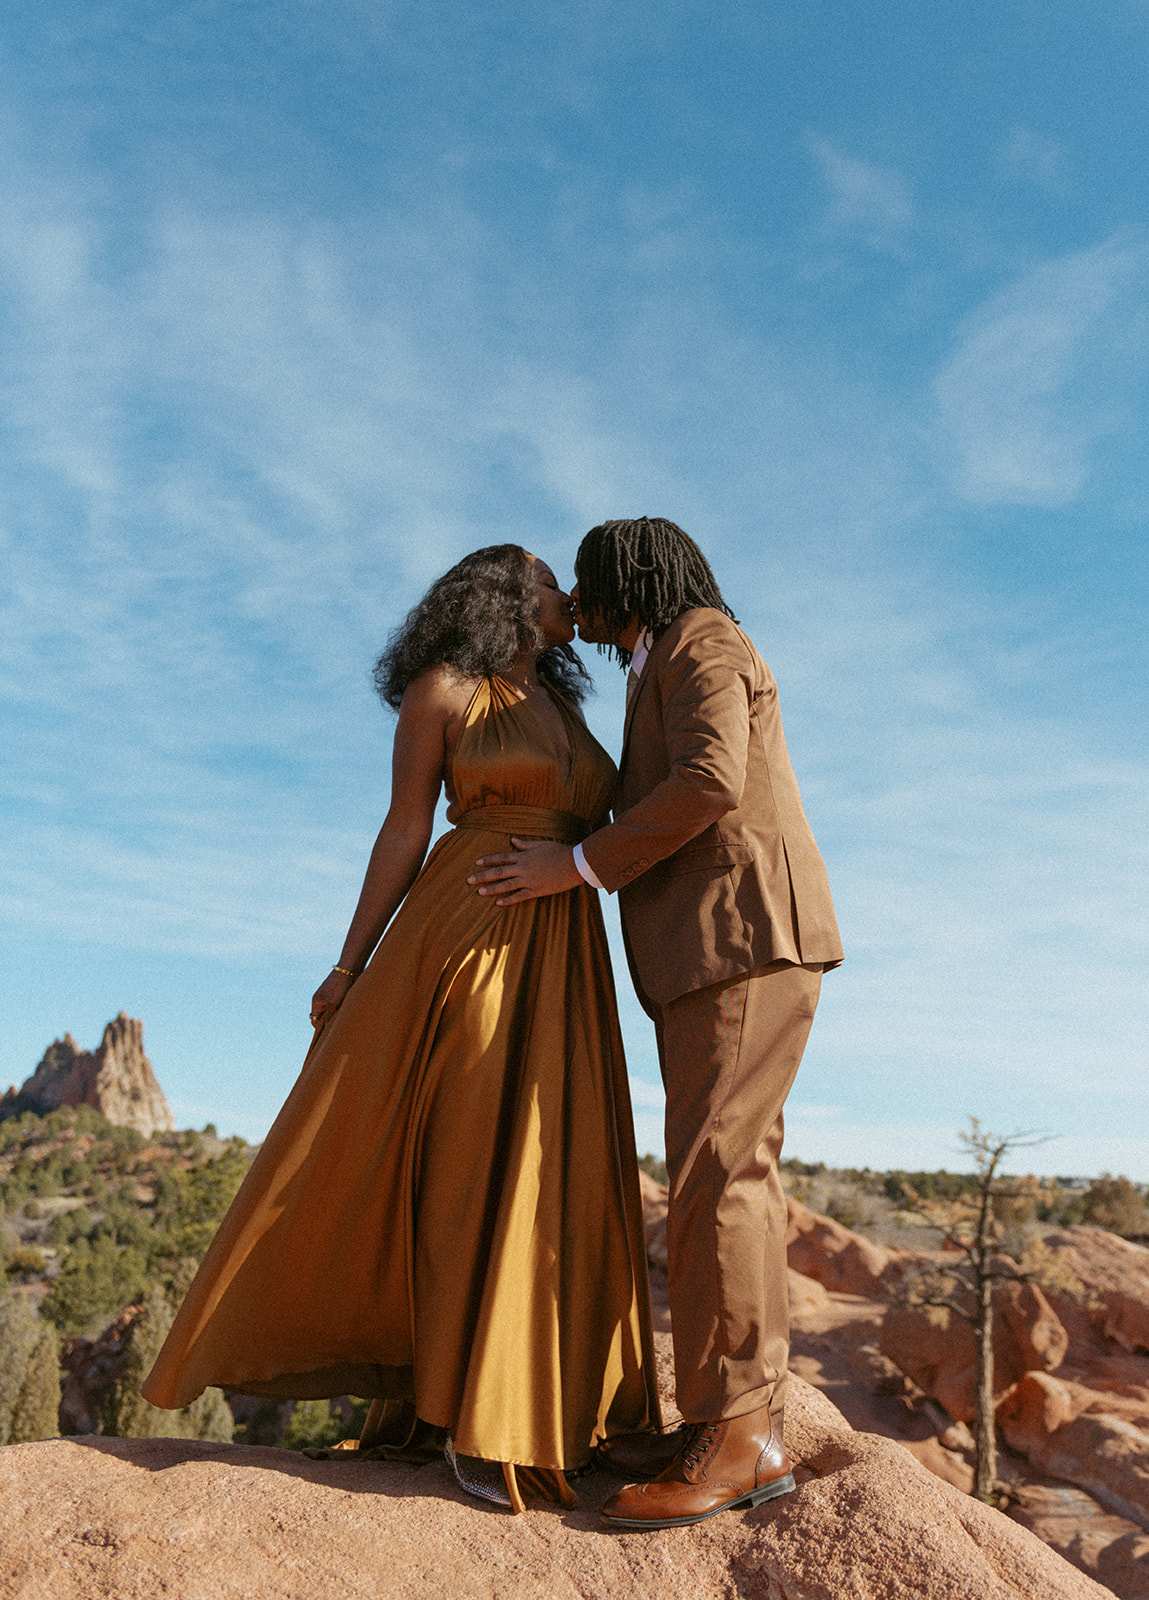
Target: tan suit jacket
x: 710, y: 847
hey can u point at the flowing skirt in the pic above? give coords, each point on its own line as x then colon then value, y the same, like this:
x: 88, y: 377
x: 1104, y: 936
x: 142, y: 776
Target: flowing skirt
x: 447, y: 1207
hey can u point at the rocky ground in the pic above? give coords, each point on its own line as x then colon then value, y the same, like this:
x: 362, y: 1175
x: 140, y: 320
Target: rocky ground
x: 112, y: 1519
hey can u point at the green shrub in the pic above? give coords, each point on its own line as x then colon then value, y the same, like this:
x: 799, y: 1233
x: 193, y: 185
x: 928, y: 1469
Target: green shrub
x: 943, y: 1185
x: 204, y: 1194
x: 26, y: 1258
x: 68, y: 1226
x: 45, y: 1180
x: 165, y: 1195
x: 316, y: 1424
x: 1116, y: 1204
x: 313, y: 1425
x: 125, y: 1225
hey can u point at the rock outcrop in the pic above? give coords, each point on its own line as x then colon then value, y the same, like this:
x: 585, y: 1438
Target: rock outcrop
x: 840, y: 1260
x: 1115, y: 1275
x: 1058, y: 1427
x: 116, y: 1079
x: 103, y: 1519
x: 1073, y: 1391
x: 1107, y: 1547
x: 937, y: 1347
x: 90, y: 1370
x: 654, y: 1206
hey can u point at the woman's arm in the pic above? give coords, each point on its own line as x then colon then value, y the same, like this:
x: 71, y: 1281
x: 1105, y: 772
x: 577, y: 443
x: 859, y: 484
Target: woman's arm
x: 418, y: 760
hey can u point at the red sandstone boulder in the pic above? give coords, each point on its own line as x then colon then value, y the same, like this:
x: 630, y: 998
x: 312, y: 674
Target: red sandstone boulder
x: 1111, y: 1549
x: 1038, y: 1332
x: 806, y: 1294
x: 937, y: 1347
x: 1045, y: 1421
x: 1115, y: 1274
x: 1035, y: 1407
x: 654, y: 1201
x: 840, y: 1260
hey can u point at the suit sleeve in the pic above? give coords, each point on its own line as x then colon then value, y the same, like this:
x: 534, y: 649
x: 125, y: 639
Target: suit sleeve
x: 707, y: 687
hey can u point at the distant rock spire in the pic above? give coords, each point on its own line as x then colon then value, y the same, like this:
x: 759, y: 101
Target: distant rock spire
x: 116, y: 1079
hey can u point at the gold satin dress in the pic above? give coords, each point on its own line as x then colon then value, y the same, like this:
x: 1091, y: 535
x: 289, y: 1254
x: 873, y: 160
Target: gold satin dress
x: 447, y: 1207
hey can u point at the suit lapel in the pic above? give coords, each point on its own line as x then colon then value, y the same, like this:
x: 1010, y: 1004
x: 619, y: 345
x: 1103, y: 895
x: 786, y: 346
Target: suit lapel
x: 643, y: 682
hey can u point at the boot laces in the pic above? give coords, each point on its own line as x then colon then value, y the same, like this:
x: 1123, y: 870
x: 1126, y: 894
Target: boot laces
x: 700, y: 1446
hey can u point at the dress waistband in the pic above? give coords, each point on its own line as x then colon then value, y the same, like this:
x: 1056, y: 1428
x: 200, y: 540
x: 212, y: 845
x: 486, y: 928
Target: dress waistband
x: 529, y: 822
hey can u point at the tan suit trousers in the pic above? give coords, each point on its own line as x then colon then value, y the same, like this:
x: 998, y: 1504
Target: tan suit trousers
x: 728, y: 1054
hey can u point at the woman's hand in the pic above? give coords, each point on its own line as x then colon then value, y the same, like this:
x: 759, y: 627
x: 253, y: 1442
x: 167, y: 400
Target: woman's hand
x: 330, y: 995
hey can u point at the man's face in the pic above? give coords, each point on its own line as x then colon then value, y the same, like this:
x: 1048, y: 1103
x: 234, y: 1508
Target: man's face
x: 590, y: 629
x: 595, y: 630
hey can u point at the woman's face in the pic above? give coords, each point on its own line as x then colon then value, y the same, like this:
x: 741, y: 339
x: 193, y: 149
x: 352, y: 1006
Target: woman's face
x: 556, y: 614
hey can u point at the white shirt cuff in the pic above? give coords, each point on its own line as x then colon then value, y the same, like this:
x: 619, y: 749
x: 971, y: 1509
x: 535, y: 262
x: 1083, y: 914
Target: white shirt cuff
x: 584, y: 868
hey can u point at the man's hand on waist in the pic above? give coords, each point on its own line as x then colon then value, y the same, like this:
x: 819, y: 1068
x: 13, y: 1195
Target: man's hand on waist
x: 536, y: 867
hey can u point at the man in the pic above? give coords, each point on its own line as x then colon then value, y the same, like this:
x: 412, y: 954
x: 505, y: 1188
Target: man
x: 728, y: 925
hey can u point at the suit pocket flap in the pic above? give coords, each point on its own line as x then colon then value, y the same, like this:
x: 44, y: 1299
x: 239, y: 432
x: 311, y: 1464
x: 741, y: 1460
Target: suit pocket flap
x: 707, y: 857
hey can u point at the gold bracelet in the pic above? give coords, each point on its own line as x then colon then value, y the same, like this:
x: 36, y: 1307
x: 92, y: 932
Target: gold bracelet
x: 346, y: 971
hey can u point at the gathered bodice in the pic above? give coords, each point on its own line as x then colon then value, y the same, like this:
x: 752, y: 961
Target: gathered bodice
x: 506, y: 756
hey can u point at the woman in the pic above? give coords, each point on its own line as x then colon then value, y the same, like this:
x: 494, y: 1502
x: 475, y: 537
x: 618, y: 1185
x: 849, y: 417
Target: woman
x: 445, y: 1216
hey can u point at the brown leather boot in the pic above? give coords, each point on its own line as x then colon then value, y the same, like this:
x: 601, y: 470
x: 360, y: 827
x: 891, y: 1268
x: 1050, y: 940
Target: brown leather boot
x: 642, y: 1456
x: 726, y: 1464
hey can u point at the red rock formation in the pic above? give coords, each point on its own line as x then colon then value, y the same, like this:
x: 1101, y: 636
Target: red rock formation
x: 1115, y: 1273
x: 937, y: 1347
x: 90, y: 1370
x: 1111, y: 1549
x: 841, y: 1261
x: 116, y: 1079
x: 1085, y: 1421
x: 654, y: 1199
x: 1046, y: 1421
x: 806, y: 1294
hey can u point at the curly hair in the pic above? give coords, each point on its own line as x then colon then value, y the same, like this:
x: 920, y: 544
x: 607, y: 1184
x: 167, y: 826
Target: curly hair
x: 477, y: 618
x: 644, y: 567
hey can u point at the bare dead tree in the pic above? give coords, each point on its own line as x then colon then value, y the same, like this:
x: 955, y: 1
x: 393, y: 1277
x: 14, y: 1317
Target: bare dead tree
x: 969, y: 1221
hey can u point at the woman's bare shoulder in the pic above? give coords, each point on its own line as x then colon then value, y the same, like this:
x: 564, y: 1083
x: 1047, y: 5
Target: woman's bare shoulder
x: 439, y: 690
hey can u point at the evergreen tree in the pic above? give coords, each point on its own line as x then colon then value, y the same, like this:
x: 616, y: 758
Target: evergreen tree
x: 97, y: 1280
x: 313, y: 1423
x: 29, y: 1374
x: 36, y: 1414
x: 129, y: 1416
x: 203, y: 1195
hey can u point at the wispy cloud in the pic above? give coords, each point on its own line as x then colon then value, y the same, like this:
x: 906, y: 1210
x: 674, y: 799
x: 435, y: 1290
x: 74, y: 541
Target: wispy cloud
x: 1031, y: 157
x: 871, y: 201
x: 1041, y: 373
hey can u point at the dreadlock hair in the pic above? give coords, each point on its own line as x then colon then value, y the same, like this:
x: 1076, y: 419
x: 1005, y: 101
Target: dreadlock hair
x: 644, y: 567
x: 477, y: 618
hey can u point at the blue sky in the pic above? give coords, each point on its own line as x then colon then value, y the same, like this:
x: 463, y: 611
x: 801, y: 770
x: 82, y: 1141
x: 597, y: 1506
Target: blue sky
x: 300, y: 302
